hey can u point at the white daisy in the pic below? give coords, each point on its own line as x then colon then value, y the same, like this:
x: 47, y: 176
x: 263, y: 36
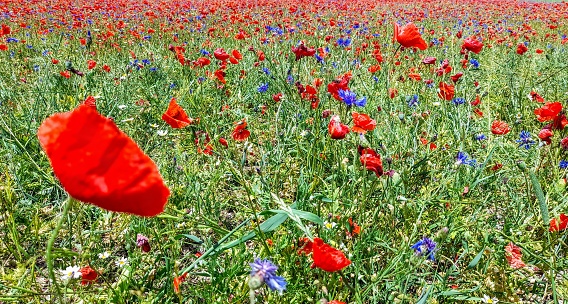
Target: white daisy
x: 487, y: 299
x: 71, y: 272
x: 122, y: 262
x: 104, y: 255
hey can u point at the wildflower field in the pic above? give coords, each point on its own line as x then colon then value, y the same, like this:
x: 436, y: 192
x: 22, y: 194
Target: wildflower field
x: 295, y: 151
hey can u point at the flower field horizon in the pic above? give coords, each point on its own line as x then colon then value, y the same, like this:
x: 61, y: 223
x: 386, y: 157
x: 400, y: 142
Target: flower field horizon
x: 283, y: 151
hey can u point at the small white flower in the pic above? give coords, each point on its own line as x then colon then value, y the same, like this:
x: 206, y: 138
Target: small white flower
x: 104, y: 255
x: 329, y: 225
x: 304, y: 133
x: 122, y: 262
x: 487, y: 299
x: 71, y: 272
x: 122, y: 107
x: 162, y: 132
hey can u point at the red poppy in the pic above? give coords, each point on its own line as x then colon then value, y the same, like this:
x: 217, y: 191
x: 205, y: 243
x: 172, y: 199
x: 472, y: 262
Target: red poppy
x: 336, y: 129
x: 65, y: 74
x: 409, y: 36
x: 175, y: 116
x: 548, y: 112
x: 88, y: 275
x: 499, y: 127
x: 240, y: 133
x: 371, y: 160
x: 559, y: 225
x: 545, y: 135
x: 335, y: 302
x: 355, y: 229
x: 223, y: 142
x: 534, y: 96
x: 392, y: 93
x: 98, y: 164
x: 340, y: 83
x: 277, y: 97
x: 221, y: 54
x: 456, y: 77
x: 178, y: 281
x: 106, y: 68
x: 201, y: 62
x: 302, y: 51
x: 447, y: 91
x: 237, y: 54
x: 473, y: 45
x: 91, y: 64
x: 3, y: 47
x: 429, y: 60
x: 521, y: 49
x: 328, y: 258
x: 90, y: 101
x: 514, y: 255
x: 362, y: 123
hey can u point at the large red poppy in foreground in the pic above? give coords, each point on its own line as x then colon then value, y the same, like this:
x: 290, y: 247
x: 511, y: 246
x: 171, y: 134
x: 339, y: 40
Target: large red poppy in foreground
x: 98, y: 164
x: 409, y: 36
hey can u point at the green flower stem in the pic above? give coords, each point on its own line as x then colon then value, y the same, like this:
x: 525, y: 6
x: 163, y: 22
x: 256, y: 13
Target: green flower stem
x: 49, y: 253
x: 214, y: 247
x: 538, y: 192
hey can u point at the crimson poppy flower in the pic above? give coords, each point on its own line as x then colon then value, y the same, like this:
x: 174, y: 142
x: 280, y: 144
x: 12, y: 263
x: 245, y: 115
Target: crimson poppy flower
x: 65, y: 74
x: 456, y: 77
x: 473, y: 45
x: 220, y: 54
x: 548, y: 111
x: 409, y: 36
x: 240, y: 133
x: 429, y: 60
x: 371, y: 160
x: 237, y: 54
x: 277, y: 97
x: 328, y: 258
x: 175, y: 116
x: 90, y: 101
x: 98, y: 164
x: 447, y: 91
x: 362, y: 123
x: 178, y: 281
x: 302, y: 51
x: 340, y: 83
x: 521, y: 49
x: 499, y: 127
x: 559, y: 225
x: 91, y: 64
x: 223, y: 142
x: 545, y: 135
x: 336, y: 129
x: 534, y: 96
x: 106, y: 68
x: 88, y: 275
x: 201, y: 62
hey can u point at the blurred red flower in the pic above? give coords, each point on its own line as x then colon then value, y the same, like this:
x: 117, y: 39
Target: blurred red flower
x: 240, y: 133
x: 220, y: 54
x: 514, y: 256
x: 91, y: 64
x: 521, y: 49
x: 328, y: 258
x: 409, y: 36
x: 88, y: 275
x: 336, y: 129
x: 362, y: 123
x: 98, y: 164
x: 548, y: 111
x: 302, y: 51
x: 499, y: 127
x: 175, y: 116
x: 340, y: 83
x: 447, y: 91
x: 473, y: 45
x: 559, y: 225
x: 371, y: 160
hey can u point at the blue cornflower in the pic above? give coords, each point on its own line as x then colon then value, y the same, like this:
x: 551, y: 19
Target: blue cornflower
x: 263, y: 88
x: 525, y: 140
x: 319, y: 59
x: 463, y: 159
x: 172, y: 85
x: 10, y: 39
x: 146, y: 61
x: 344, y: 42
x: 266, y: 71
x: 263, y: 271
x: 425, y: 246
x: 45, y: 53
x: 375, y: 78
x: 480, y: 137
x: 435, y: 41
x: 350, y: 98
x: 290, y: 78
x: 458, y: 101
x: 563, y: 164
x: 154, y: 69
x: 205, y: 53
x: 412, y: 100
x: 474, y: 63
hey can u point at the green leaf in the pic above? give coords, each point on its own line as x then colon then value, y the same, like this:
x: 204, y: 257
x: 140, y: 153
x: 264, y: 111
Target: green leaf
x: 475, y: 261
x: 425, y: 296
x: 308, y: 216
x: 269, y: 225
x: 189, y: 236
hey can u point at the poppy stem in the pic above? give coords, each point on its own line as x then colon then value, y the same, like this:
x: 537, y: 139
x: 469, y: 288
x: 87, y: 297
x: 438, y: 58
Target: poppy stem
x: 49, y: 252
x: 348, y: 284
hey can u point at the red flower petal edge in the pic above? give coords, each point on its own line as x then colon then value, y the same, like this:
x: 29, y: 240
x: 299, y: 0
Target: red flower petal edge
x: 98, y: 164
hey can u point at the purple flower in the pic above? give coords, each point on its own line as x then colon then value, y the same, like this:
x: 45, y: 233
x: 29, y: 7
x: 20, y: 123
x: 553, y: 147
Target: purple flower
x: 350, y: 98
x: 425, y: 246
x: 263, y: 271
x: 142, y: 242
